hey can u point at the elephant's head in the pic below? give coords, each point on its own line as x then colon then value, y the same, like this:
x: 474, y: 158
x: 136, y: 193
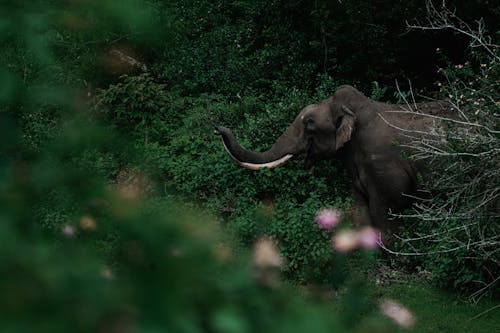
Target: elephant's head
x: 319, y: 130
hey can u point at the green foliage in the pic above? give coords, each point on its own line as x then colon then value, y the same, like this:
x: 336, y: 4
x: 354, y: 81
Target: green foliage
x: 231, y: 47
x: 81, y: 254
x: 430, y: 305
x: 62, y: 280
x: 239, y: 46
x: 307, y: 249
x: 377, y: 91
x: 194, y: 165
x: 138, y: 105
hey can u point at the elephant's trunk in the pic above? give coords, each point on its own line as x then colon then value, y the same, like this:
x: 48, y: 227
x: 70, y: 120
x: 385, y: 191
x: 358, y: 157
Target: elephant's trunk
x: 281, y: 151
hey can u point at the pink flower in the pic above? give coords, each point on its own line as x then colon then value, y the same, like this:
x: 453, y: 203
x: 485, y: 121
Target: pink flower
x: 345, y: 241
x: 369, y: 238
x: 398, y: 313
x: 328, y: 218
x: 69, y: 231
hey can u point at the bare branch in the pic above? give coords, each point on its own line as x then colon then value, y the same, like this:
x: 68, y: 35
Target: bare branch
x: 443, y: 18
x: 462, y: 156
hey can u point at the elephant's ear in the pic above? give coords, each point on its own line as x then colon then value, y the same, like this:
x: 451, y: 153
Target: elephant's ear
x: 345, y: 127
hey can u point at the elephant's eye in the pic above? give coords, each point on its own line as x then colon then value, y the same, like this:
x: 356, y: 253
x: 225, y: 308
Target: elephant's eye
x: 308, y: 121
x: 339, y: 122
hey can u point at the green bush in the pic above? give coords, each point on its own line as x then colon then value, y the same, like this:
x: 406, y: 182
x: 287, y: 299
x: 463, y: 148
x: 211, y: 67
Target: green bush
x: 191, y: 160
x: 138, y: 105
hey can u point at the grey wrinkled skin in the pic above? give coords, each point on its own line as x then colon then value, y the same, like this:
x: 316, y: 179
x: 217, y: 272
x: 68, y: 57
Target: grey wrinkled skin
x: 352, y: 127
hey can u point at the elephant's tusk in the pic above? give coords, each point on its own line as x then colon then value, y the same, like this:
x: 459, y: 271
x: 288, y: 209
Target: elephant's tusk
x: 254, y: 166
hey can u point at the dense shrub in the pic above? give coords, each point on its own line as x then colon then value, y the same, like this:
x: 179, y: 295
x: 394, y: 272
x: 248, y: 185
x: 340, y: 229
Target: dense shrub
x: 192, y: 162
x: 230, y: 47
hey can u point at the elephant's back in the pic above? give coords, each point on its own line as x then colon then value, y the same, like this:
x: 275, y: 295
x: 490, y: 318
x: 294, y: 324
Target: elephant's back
x: 417, y: 122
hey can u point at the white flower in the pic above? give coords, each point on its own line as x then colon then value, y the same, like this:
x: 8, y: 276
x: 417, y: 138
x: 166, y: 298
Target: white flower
x: 398, y: 313
x: 345, y: 241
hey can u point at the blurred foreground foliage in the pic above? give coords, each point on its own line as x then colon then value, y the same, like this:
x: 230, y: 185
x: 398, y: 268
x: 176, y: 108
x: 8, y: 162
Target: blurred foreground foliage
x: 119, y: 264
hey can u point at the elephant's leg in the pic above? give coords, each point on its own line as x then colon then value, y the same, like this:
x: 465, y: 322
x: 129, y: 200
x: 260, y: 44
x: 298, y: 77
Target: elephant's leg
x: 378, y: 210
x: 361, y: 214
x: 386, y: 184
x: 380, y: 206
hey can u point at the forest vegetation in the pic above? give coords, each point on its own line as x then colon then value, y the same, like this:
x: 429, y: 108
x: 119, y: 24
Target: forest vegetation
x: 121, y: 212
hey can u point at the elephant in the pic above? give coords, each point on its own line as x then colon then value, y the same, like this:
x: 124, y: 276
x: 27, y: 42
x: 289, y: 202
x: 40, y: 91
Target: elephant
x: 369, y: 137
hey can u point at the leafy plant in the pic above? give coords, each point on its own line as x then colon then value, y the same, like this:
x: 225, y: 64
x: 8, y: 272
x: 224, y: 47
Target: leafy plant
x: 377, y: 91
